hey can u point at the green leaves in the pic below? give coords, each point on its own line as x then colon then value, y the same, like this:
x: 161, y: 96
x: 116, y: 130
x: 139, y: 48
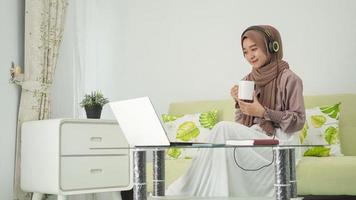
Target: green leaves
x: 318, y: 120
x: 332, y: 135
x: 322, y: 128
x: 187, y: 131
x: 303, y: 133
x: 208, y: 119
x: 95, y: 98
x: 170, y: 118
x: 318, y: 151
x: 174, y: 152
x: 194, y: 127
x: 332, y: 111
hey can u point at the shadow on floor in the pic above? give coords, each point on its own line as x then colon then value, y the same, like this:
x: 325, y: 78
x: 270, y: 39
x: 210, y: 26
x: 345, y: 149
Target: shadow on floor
x: 127, y: 195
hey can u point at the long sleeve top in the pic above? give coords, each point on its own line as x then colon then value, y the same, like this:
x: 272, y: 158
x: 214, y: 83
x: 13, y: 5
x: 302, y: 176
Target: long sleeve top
x: 289, y: 112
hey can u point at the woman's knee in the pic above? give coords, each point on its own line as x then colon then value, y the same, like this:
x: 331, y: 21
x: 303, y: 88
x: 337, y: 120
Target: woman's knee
x: 223, y: 129
x: 224, y: 124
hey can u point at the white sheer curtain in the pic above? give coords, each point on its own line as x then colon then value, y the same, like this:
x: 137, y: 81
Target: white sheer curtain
x: 80, y: 57
x: 85, y: 50
x: 90, y: 52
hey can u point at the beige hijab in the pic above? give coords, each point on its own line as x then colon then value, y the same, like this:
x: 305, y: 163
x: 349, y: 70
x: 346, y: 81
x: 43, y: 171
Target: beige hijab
x: 267, y: 77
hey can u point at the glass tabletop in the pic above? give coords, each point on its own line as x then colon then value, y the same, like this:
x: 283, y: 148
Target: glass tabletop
x: 208, y: 198
x: 215, y: 198
x: 211, y: 145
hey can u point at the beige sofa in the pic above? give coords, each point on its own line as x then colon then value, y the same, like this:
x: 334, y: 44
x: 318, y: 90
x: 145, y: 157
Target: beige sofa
x: 315, y: 175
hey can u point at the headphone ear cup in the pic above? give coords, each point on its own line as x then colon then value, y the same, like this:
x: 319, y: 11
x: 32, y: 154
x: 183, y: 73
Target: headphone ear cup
x: 274, y: 46
x: 270, y: 47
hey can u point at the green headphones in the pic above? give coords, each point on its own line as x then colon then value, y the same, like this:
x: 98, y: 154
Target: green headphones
x: 273, y: 46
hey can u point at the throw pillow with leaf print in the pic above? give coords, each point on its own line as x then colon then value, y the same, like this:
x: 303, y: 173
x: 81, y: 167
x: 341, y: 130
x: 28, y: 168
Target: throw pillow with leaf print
x: 188, y: 128
x: 322, y: 127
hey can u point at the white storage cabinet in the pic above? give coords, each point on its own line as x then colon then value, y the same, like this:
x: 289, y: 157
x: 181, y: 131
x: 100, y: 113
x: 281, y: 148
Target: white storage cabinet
x: 74, y: 156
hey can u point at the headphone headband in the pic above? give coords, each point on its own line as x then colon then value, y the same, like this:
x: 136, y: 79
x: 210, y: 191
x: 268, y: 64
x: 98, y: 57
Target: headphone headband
x: 273, y: 46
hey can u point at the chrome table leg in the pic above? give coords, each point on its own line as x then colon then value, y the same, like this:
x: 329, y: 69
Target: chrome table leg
x: 282, y: 173
x: 139, y: 175
x: 293, y: 174
x: 158, y: 173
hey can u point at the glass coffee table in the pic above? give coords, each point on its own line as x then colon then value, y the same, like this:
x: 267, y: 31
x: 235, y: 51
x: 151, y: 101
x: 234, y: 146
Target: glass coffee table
x: 284, y: 166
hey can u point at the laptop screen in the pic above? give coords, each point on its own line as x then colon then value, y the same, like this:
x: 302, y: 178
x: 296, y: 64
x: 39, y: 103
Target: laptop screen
x: 139, y: 122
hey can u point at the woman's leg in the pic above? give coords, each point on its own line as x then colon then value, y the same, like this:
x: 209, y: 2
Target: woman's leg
x: 214, y: 172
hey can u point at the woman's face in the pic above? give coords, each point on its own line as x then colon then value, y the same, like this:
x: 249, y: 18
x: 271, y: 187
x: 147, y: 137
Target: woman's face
x: 253, y: 54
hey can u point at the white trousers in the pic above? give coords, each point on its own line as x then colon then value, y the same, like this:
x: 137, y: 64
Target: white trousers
x: 214, y: 172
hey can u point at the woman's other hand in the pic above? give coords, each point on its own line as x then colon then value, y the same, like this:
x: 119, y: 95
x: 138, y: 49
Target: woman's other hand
x: 234, y: 92
x: 253, y: 109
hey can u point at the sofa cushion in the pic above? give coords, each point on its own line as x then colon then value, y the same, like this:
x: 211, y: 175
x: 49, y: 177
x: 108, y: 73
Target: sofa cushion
x: 225, y: 107
x: 188, y: 128
x: 326, y: 176
x: 322, y: 127
x: 347, y: 120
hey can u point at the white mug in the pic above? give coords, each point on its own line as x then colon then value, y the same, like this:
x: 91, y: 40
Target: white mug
x: 246, y: 89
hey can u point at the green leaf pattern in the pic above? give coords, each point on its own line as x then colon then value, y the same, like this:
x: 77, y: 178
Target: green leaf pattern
x: 208, y: 119
x: 318, y: 120
x: 169, y: 118
x: 187, y: 131
x: 318, y: 151
x: 189, y: 127
x: 174, y: 152
x: 332, y: 111
x: 321, y: 127
x: 332, y: 135
x: 303, y: 133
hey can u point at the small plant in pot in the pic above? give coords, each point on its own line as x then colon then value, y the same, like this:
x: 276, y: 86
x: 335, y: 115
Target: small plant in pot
x: 93, y: 104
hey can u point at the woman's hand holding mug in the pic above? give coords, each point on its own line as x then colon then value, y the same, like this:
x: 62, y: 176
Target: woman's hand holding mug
x: 234, y: 92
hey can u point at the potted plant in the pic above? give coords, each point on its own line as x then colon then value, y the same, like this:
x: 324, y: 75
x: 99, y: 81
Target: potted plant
x: 93, y: 104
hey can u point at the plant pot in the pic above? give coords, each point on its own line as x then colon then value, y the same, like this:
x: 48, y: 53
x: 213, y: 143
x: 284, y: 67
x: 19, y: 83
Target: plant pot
x: 93, y: 112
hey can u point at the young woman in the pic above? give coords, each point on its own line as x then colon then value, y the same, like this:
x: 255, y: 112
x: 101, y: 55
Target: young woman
x: 277, y: 111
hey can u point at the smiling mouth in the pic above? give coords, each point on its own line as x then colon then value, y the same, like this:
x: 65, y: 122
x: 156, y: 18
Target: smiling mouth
x: 254, y: 61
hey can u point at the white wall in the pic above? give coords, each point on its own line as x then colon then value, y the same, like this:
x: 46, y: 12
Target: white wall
x: 190, y: 50
x: 11, y: 49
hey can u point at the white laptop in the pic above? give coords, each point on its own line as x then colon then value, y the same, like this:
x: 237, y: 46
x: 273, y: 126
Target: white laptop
x: 140, y: 124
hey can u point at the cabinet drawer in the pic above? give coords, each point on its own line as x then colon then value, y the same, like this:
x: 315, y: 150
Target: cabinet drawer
x: 78, y: 173
x: 91, y: 139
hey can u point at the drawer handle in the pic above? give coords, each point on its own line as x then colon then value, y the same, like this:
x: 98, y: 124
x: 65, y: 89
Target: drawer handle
x: 96, y: 171
x: 96, y: 139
